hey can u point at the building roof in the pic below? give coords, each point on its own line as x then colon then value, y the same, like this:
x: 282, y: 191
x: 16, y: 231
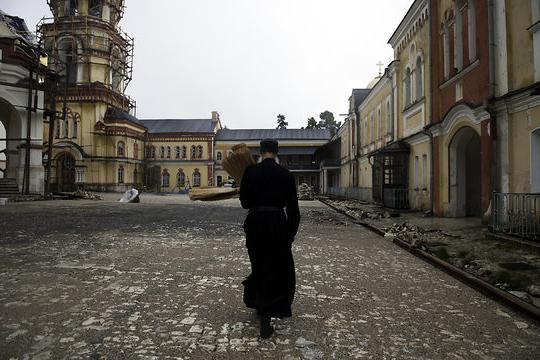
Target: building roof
x: 290, y: 150
x: 359, y: 95
x: 161, y: 126
x: 117, y: 114
x: 15, y: 27
x: 277, y: 134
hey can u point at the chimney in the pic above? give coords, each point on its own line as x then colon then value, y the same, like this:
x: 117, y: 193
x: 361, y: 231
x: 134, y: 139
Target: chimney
x: 215, y: 116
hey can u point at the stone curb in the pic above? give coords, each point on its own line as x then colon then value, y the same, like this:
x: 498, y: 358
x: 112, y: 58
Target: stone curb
x: 463, y: 276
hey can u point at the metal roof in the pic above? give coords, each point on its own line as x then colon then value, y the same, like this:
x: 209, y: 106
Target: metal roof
x: 115, y: 113
x: 160, y: 126
x: 359, y: 95
x: 276, y: 134
x: 290, y: 150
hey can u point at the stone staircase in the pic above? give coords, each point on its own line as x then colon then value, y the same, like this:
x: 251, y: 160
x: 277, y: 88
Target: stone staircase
x: 9, y: 188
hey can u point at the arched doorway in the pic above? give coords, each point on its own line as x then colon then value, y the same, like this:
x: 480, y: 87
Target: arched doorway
x: 535, y: 160
x: 465, y: 176
x: 65, y: 167
x: 11, y: 131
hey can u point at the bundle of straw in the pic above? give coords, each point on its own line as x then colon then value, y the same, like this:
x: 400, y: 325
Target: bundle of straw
x: 235, y: 164
x: 213, y: 194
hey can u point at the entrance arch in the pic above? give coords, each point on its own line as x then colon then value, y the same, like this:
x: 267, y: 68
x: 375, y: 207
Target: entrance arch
x: 465, y: 173
x: 10, y: 128
x: 65, y: 167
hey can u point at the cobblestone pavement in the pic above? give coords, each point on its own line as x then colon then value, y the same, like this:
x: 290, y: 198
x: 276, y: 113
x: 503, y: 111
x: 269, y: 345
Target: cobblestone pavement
x: 162, y: 280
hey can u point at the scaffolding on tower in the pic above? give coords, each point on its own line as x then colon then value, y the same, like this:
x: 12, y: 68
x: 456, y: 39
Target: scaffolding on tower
x: 90, y: 50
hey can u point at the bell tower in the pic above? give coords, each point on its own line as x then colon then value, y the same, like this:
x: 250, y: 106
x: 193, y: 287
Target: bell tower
x: 93, y: 58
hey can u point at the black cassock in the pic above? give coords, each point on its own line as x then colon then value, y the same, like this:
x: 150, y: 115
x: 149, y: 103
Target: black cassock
x: 266, y: 190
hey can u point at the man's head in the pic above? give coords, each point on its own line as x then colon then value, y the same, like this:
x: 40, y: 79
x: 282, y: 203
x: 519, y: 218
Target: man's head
x: 269, y: 148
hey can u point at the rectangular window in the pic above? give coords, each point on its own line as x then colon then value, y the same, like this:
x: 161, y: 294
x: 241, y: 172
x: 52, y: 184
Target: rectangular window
x: 416, y: 172
x: 424, y: 171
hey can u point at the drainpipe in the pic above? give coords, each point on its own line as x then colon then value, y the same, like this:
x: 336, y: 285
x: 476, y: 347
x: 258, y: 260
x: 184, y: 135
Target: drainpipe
x: 430, y: 112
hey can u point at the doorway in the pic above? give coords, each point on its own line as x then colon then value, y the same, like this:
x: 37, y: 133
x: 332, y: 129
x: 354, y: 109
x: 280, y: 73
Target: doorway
x: 465, y: 176
x: 65, y: 166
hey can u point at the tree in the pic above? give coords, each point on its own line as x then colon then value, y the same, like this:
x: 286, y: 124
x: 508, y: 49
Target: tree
x: 328, y: 121
x: 281, y: 123
x: 312, y: 123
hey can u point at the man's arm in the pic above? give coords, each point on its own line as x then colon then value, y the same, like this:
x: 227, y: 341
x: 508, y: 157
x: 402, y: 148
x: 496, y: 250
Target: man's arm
x: 291, y: 206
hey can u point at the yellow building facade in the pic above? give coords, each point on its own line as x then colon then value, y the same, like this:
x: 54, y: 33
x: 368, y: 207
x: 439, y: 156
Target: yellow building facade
x: 517, y: 106
x: 96, y: 143
x: 180, y: 153
x: 410, y: 75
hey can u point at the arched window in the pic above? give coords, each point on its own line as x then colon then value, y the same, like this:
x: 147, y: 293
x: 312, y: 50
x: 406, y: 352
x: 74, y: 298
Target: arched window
x: 407, y: 87
x: 135, y: 177
x: 419, y: 79
x: 181, y: 178
x: 379, y: 124
x: 372, y: 129
x: 178, y: 152
x: 67, y: 52
x: 95, y: 8
x: 184, y: 152
x: 117, y: 70
x: 199, y: 152
x: 120, y: 149
x: 458, y: 35
x: 71, y: 7
x: 57, y: 129
x: 120, y: 174
x: 471, y: 28
x: 153, y: 152
x: 219, y: 156
x: 162, y: 152
x: 168, y: 152
x: 66, y: 127
x: 136, y: 151
x: 388, y: 118
x: 446, y: 51
x: 196, y: 178
x: 148, y: 152
x: 165, y: 178
x: 75, y: 130
x: 193, y: 152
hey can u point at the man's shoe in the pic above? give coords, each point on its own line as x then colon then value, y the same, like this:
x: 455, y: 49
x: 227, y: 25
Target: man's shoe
x: 266, y: 329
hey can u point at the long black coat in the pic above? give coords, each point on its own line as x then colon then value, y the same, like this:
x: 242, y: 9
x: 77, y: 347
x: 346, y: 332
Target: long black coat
x: 269, y: 237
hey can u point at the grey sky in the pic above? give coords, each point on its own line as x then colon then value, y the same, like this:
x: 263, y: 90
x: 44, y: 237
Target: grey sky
x: 249, y: 59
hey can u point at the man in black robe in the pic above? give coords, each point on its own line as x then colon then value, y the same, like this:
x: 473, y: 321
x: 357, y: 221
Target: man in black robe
x: 266, y: 190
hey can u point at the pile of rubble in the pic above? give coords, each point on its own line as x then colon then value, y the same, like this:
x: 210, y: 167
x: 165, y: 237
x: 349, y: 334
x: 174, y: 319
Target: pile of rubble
x: 406, y: 232
x: 356, y: 211
x: 85, y: 195
x: 305, y: 192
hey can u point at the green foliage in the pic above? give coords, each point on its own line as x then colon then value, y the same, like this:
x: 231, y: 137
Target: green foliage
x: 328, y: 121
x: 312, y: 123
x: 282, y: 124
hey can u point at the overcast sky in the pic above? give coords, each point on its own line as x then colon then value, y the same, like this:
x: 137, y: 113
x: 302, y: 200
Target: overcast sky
x: 249, y: 59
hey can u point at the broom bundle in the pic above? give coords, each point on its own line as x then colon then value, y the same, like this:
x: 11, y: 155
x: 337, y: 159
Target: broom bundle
x: 235, y: 164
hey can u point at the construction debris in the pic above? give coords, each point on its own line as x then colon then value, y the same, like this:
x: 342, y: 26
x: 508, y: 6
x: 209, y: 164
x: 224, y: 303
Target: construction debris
x: 130, y: 196
x: 305, y: 192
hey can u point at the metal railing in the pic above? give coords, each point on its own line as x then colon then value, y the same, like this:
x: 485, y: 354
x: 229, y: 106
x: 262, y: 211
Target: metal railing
x: 396, y: 198
x: 516, y: 214
x: 362, y: 194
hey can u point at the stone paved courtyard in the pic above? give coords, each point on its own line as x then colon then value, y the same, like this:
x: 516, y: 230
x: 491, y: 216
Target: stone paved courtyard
x: 162, y: 280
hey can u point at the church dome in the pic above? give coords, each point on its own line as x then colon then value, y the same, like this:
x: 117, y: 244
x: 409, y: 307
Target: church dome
x: 373, y: 82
